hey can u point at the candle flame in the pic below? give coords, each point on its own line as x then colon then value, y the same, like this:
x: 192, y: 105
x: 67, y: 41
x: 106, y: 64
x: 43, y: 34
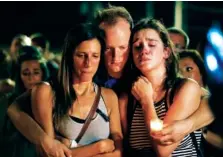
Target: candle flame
x: 156, y: 125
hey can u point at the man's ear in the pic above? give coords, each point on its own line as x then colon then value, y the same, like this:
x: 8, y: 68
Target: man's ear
x: 166, y: 52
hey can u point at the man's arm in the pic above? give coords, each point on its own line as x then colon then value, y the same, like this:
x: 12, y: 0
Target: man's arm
x: 30, y: 129
x: 214, y: 139
x: 202, y: 117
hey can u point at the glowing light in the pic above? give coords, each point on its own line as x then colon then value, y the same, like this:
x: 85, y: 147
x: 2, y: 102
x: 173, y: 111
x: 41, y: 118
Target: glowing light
x: 215, y: 38
x: 156, y: 125
x: 212, y: 62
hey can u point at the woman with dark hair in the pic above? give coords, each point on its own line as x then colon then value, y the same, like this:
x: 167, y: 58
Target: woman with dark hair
x: 31, y: 69
x: 157, y: 93
x: 71, y: 98
x: 191, y: 65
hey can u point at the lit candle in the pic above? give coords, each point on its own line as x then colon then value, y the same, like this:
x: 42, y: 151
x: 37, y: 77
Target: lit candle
x: 156, y: 125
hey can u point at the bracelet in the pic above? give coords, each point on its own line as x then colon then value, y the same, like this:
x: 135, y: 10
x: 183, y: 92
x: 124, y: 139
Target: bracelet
x: 73, y: 144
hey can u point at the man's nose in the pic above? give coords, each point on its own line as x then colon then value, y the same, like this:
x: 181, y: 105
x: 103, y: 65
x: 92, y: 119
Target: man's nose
x: 116, y: 55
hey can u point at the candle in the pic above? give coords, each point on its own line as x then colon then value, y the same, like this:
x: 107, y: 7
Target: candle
x: 156, y: 125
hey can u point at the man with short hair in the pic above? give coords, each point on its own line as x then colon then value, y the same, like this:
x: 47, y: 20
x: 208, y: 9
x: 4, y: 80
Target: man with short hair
x: 117, y: 23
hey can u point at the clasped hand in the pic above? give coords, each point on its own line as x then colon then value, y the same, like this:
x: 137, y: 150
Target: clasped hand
x: 142, y: 90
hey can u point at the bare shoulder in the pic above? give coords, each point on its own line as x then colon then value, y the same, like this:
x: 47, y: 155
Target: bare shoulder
x: 42, y: 86
x: 188, y: 87
x: 190, y: 84
x: 42, y: 89
x: 109, y: 97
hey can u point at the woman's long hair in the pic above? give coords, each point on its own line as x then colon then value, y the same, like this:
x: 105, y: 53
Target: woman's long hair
x: 65, y: 94
x: 171, y: 62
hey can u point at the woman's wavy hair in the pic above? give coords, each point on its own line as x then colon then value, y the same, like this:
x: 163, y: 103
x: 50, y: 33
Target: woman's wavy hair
x: 172, y: 67
x: 65, y: 94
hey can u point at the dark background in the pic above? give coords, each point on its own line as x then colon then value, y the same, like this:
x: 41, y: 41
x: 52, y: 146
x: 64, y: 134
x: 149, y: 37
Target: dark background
x: 54, y: 19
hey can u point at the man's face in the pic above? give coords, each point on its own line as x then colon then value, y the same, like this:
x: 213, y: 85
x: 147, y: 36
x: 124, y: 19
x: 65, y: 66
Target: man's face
x: 117, y: 47
x: 178, y: 41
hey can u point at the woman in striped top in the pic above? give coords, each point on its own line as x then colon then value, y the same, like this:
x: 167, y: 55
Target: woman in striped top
x: 155, y: 74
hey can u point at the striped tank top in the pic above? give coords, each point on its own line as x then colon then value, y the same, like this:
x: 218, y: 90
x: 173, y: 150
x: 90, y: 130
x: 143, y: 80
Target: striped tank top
x: 139, y: 137
x: 98, y: 129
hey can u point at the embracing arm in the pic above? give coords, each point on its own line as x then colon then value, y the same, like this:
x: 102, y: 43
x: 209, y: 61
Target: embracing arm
x: 202, y: 117
x: 24, y: 122
x: 214, y: 139
x: 30, y: 129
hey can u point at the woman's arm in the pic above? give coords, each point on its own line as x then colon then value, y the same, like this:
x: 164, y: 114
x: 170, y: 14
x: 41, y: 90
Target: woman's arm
x: 177, y: 130
x: 185, y: 102
x: 42, y: 107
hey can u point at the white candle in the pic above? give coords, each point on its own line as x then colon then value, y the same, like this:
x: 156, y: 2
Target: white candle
x: 156, y: 125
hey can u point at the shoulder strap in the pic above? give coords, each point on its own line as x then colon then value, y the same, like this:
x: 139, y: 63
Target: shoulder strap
x: 90, y: 115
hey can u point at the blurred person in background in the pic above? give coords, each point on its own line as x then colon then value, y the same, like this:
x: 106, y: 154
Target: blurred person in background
x: 43, y: 44
x: 179, y: 38
x: 6, y: 84
x: 17, y: 42
x: 192, y: 66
